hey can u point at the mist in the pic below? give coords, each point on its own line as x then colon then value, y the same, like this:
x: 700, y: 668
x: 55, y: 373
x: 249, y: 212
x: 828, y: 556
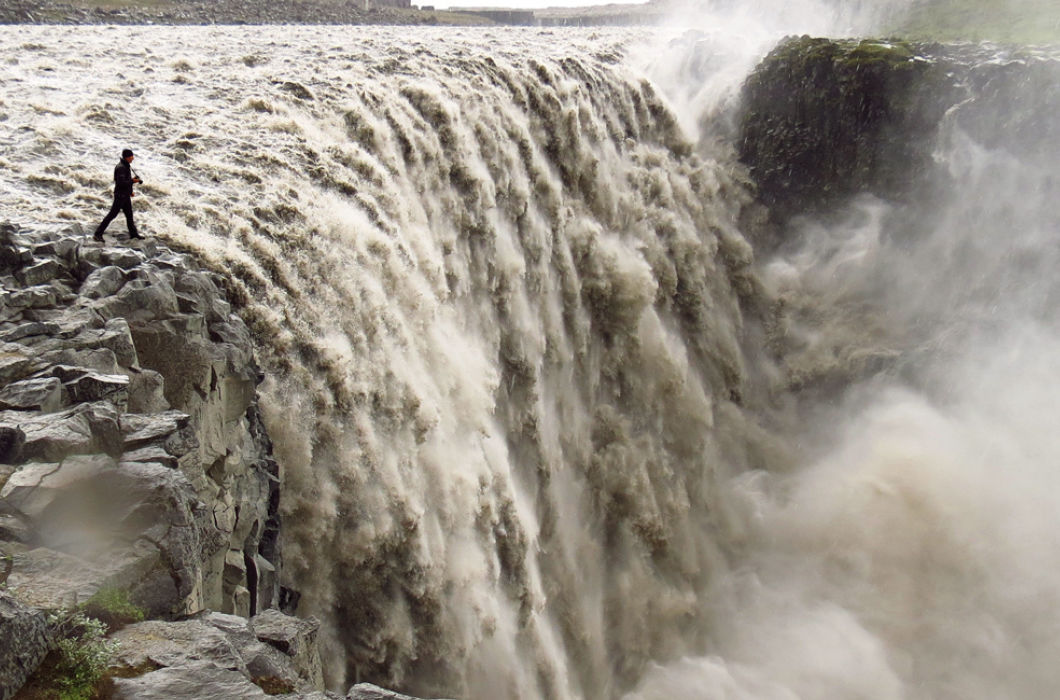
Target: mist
x: 905, y: 546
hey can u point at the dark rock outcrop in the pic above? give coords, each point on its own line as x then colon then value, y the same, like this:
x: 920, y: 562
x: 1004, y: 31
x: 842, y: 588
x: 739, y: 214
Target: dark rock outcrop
x: 824, y: 119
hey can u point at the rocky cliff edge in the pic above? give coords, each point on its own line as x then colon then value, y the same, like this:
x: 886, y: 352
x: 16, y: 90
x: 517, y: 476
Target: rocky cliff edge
x: 133, y: 462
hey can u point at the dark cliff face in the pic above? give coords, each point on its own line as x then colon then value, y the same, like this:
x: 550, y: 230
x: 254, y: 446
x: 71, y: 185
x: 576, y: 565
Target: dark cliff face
x: 823, y: 120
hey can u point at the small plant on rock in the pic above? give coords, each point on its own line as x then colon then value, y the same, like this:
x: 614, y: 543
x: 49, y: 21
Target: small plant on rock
x: 112, y: 607
x: 81, y: 655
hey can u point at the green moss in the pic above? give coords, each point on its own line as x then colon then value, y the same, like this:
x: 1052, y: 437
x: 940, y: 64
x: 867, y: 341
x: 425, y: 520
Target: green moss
x: 112, y: 607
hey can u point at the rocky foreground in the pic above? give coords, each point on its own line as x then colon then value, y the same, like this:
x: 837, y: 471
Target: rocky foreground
x: 133, y: 463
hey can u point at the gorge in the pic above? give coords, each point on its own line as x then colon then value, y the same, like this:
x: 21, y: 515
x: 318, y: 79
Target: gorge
x: 582, y: 376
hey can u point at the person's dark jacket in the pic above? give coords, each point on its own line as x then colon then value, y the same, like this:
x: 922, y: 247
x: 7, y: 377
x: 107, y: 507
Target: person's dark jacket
x: 123, y: 179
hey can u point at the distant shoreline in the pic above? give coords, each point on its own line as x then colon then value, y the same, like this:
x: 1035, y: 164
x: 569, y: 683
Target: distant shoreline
x: 254, y: 12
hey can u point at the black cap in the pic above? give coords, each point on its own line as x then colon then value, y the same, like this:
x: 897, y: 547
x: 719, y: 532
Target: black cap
x: 126, y: 153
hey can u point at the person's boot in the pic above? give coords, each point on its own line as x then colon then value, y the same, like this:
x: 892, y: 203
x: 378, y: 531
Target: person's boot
x: 134, y: 234
x: 98, y: 236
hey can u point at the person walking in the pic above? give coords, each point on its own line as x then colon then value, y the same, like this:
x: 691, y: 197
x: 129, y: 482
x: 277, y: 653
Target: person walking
x: 123, y: 194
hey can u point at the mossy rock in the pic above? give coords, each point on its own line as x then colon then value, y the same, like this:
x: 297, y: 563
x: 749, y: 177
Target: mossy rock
x: 112, y: 607
x: 824, y: 119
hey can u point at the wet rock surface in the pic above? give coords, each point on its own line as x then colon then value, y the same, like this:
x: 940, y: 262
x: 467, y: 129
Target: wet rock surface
x: 133, y: 457
x: 128, y: 432
x: 827, y: 119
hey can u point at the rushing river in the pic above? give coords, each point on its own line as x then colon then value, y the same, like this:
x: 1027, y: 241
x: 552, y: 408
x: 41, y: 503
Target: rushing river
x: 537, y: 433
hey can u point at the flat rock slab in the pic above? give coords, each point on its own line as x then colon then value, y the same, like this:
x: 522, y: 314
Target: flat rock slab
x: 193, y: 682
x: 170, y: 644
x: 46, y: 579
x: 367, y: 691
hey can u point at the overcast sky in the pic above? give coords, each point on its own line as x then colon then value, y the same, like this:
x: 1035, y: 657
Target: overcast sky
x: 521, y: 4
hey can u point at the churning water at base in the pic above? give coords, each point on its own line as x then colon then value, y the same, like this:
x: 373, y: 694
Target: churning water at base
x: 531, y: 444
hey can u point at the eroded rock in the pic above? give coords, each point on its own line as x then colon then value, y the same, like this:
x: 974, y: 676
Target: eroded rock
x: 24, y: 642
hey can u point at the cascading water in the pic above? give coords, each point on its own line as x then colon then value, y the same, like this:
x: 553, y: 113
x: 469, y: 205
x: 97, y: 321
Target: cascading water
x: 512, y: 335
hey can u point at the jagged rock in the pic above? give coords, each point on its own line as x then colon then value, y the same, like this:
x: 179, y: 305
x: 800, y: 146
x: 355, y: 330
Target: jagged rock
x: 140, y: 430
x: 42, y: 394
x: 367, y: 691
x: 162, y: 507
x: 125, y: 258
x: 52, y: 437
x: 170, y: 644
x: 191, y: 682
x: 139, y: 524
x: 103, y: 282
x: 211, y: 642
x: 235, y: 334
x: 8, y: 232
x: 48, y: 579
x: 14, y: 366
x: 14, y: 255
x: 152, y: 453
x: 12, y: 440
x: 43, y: 296
x: 263, y: 661
x: 24, y: 642
x: 141, y: 300
x: 294, y: 637
x: 92, y: 386
x: 25, y: 330
x: 153, y: 503
x: 63, y: 249
x: 114, y: 336
x: 147, y: 392
x: 42, y: 272
x: 101, y: 360
x: 199, y: 287
x: 35, y: 487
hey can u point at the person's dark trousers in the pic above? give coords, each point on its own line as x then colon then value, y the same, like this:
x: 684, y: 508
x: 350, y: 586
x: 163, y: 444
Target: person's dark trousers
x: 121, y: 204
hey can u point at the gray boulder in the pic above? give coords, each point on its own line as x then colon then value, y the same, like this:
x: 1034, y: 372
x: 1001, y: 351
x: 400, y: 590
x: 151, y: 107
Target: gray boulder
x: 192, y: 682
x: 13, y: 366
x: 43, y: 394
x: 93, y: 386
x: 147, y: 392
x: 114, y: 336
x: 170, y: 644
x: 367, y: 691
x: 103, y: 282
x: 294, y: 637
x: 27, y: 330
x: 42, y: 272
x: 24, y: 642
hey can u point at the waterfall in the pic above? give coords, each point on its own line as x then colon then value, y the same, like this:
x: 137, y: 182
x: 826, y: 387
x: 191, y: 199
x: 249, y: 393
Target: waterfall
x: 498, y: 299
x: 547, y: 427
